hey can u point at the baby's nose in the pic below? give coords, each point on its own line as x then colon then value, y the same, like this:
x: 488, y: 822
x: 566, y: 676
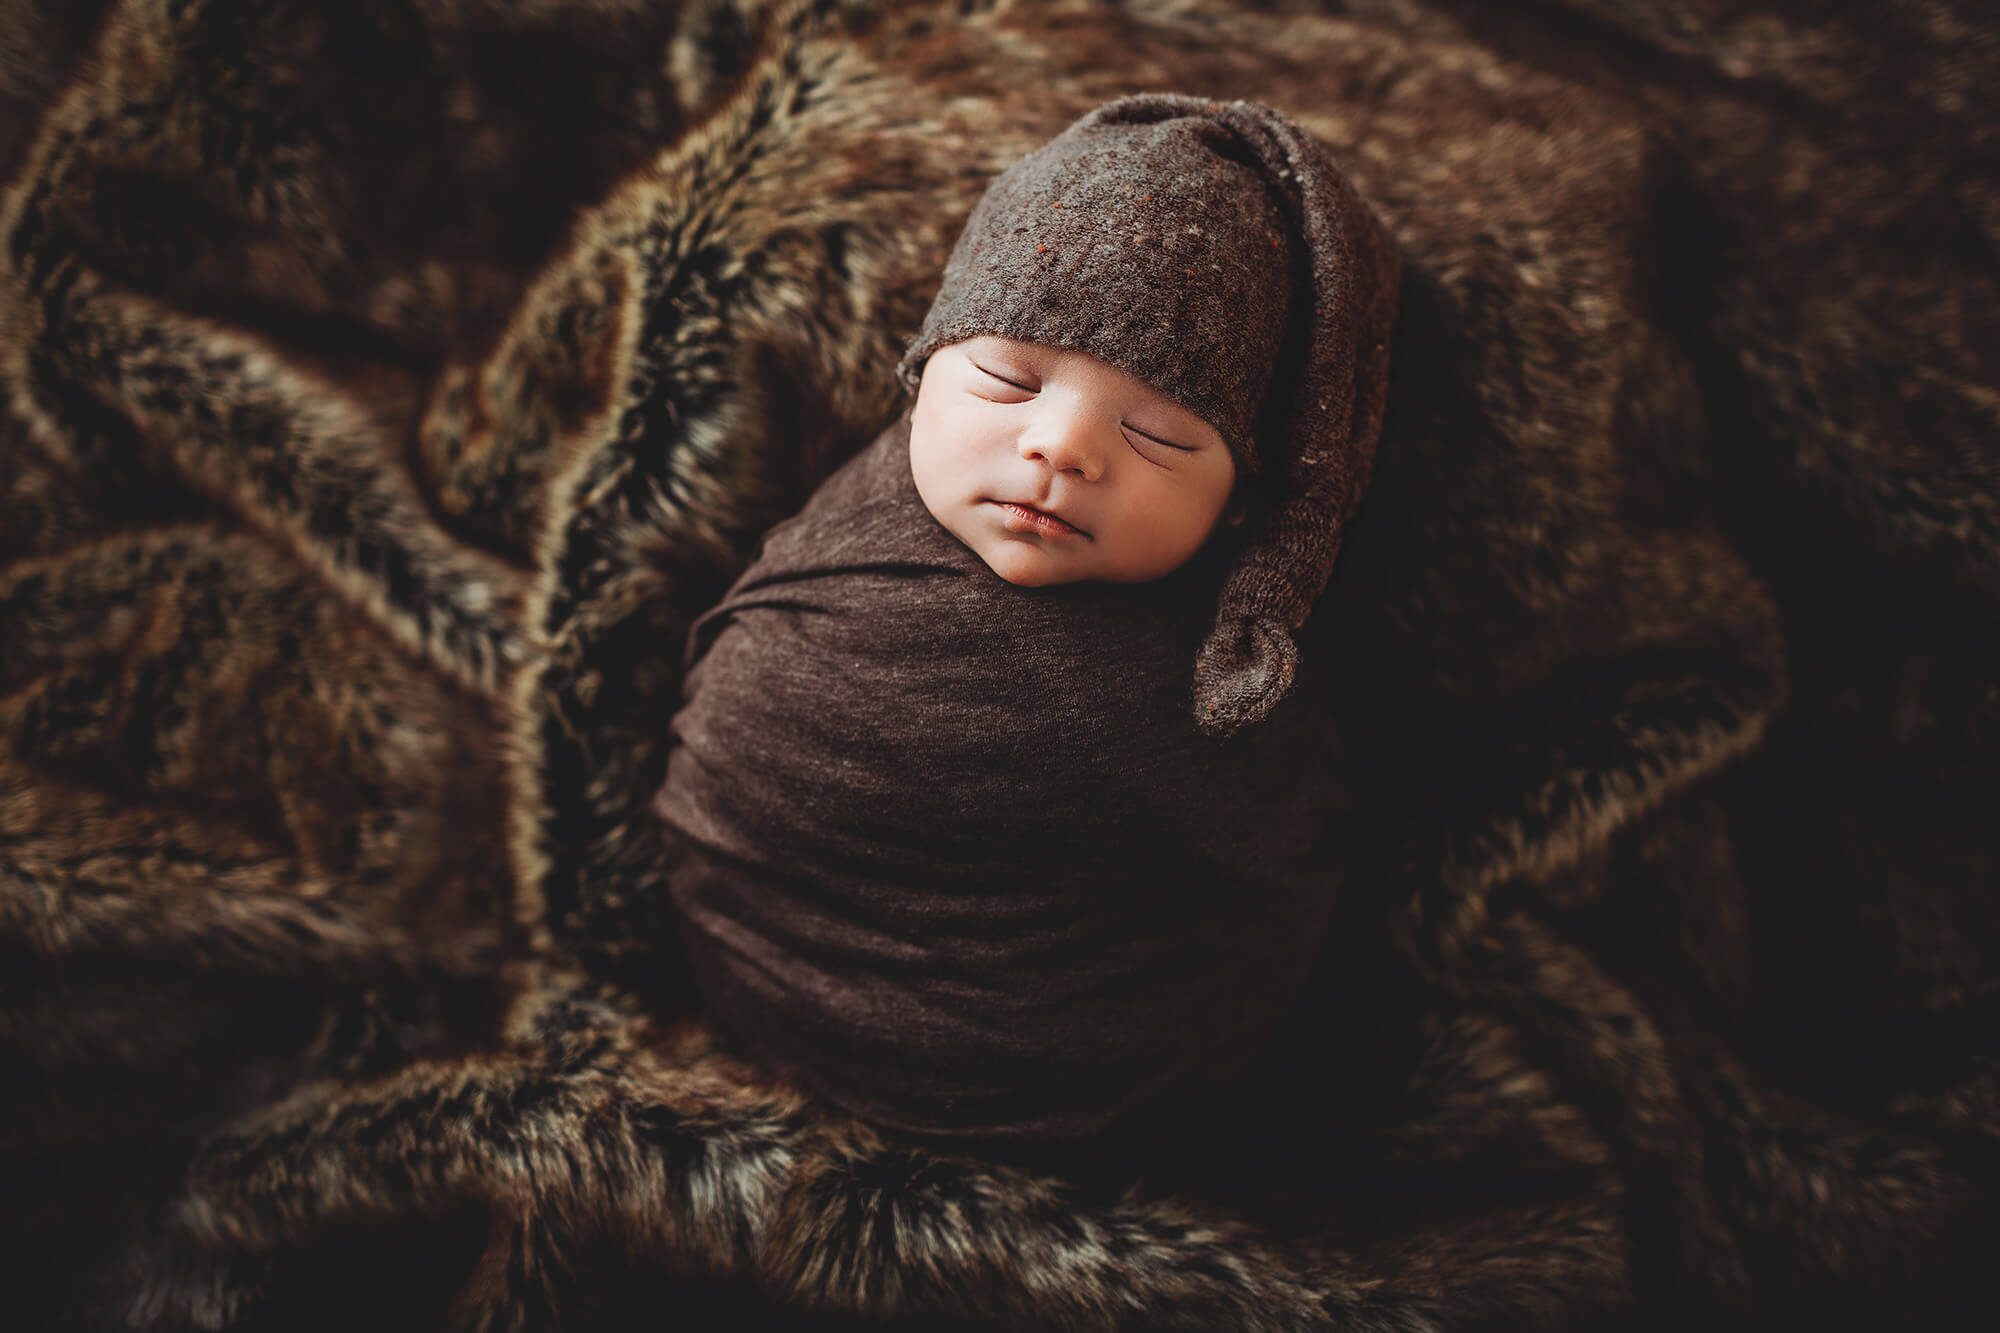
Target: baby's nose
x: 1066, y: 446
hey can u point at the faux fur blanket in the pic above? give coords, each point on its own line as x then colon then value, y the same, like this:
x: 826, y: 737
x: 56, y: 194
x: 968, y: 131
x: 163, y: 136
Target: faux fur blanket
x: 384, y: 382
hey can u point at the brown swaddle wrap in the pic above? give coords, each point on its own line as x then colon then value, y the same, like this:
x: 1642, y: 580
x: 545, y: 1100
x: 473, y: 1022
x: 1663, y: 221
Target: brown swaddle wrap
x: 954, y: 854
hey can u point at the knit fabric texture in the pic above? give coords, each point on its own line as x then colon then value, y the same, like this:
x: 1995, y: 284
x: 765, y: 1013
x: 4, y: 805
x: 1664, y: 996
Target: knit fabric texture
x: 952, y: 853
x: 1213, y: 250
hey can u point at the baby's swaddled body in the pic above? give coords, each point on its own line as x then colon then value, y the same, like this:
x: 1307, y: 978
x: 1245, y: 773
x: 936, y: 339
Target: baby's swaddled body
x: 952, y: 853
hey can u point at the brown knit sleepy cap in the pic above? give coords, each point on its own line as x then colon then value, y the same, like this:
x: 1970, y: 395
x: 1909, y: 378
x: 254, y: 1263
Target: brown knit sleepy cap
x: 1213, y: 250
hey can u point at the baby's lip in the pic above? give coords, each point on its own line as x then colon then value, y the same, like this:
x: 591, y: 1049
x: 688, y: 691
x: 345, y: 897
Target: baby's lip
x: 1029, y: 504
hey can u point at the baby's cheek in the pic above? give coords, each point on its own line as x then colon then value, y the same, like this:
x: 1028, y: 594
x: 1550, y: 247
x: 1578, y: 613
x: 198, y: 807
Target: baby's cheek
x: 934, y: 480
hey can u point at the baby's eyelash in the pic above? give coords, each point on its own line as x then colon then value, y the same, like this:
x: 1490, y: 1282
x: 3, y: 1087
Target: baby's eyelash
x: 1186, y: 449
x: 1002, y: 378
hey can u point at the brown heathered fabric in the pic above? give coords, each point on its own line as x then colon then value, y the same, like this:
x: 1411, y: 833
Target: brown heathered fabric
x: 1214, y: 250
x: 953, y: 853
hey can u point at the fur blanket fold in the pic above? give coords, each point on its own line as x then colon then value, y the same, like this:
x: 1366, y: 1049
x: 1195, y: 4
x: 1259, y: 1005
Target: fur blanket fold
x: 382, y: 384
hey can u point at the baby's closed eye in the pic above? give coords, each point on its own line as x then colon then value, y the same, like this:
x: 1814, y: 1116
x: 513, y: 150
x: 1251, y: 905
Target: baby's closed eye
x: 1149, y: 436
x: 1002, y: 378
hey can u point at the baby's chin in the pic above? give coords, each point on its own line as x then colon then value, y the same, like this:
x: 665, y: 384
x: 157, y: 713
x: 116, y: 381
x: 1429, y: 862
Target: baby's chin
x: 1027, y: 566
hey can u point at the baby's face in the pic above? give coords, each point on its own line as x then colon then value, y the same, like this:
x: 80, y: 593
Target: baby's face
x: 999, y: 424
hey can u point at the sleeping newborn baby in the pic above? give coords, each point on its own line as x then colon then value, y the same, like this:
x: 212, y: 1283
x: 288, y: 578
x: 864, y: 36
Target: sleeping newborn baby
x: 995, y: 807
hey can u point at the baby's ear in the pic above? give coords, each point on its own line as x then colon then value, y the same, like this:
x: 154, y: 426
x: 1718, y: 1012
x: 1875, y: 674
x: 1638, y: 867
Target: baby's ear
x: 1239, y: 502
